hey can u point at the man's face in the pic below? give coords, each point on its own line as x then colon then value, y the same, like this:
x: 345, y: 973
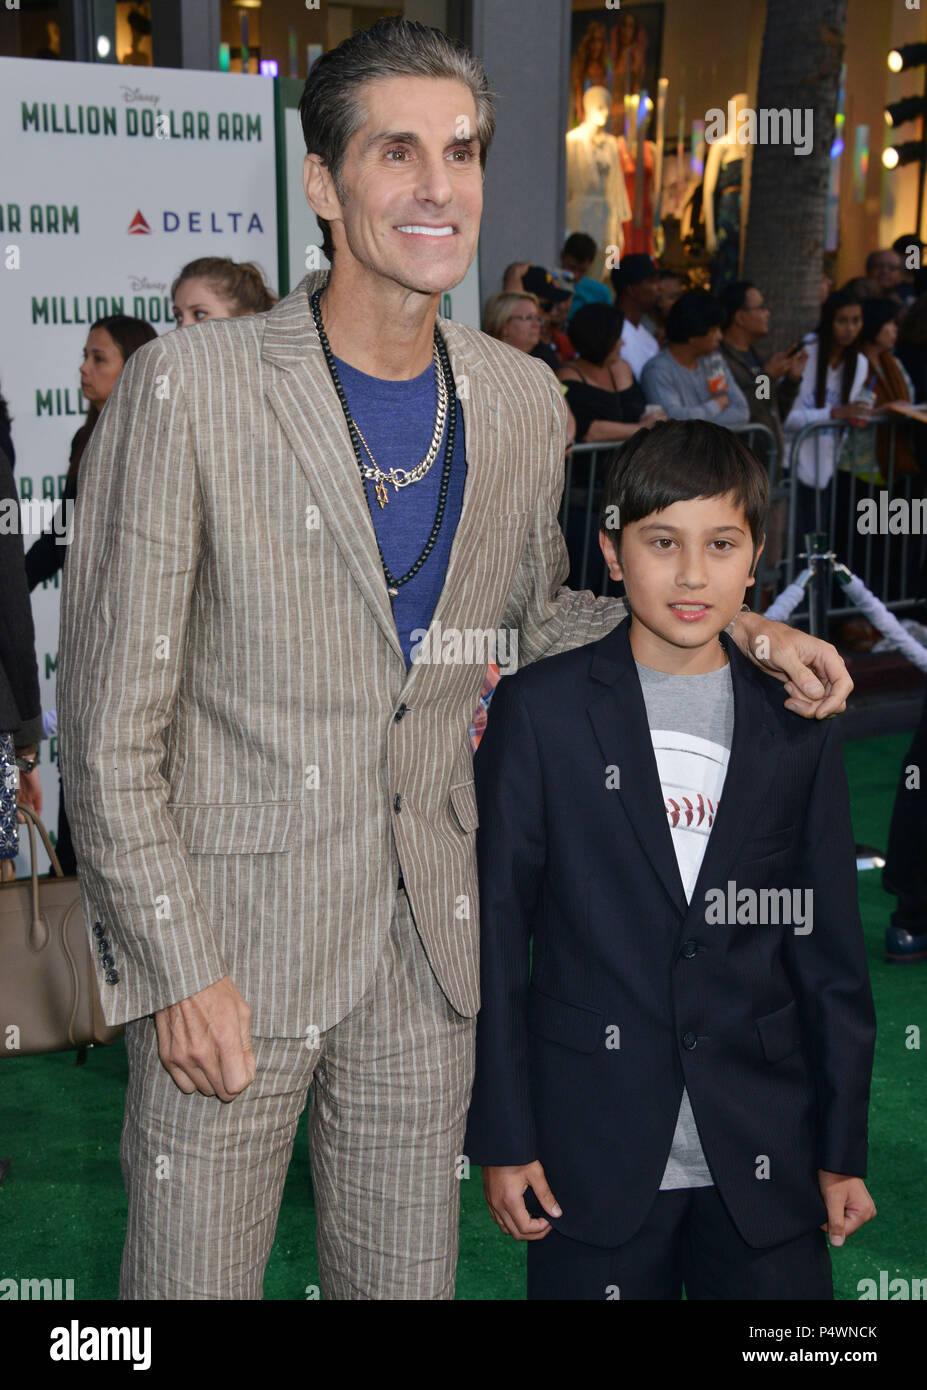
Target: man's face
x: 706, y: 342
x: 578, y: 268
x: 886, y: 269
x: 412, y: 184
x: 559, y: 313
x: 668, y: 291
x: 685, y: 570
x: 754, y: 316
x: 645, y: 292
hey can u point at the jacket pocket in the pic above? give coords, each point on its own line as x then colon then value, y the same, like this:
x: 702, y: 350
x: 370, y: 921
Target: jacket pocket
x: 780, y: 1032
x: 261, y: 827
x: 765, y: 846
x: 572, y: 1025
x: 463, y: 805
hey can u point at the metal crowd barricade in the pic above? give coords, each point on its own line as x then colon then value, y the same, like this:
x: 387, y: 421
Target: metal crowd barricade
x: 888, y: 563
x: 582, y: 495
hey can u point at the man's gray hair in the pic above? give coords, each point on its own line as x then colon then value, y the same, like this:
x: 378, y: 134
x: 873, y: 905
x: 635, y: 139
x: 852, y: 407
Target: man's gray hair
x: 331, y: 107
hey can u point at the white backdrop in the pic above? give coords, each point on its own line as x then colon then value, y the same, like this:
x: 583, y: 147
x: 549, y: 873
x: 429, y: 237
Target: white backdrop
x: 102, y: 203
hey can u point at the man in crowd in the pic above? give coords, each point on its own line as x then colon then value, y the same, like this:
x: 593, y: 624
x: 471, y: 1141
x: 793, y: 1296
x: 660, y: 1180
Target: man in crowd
x: 635, y: 284
x: 579, y: 251
x: 770, y: 387
x: 688, y: 377
x: 885, y: 268
x: 553, y: 346
x: 670, y: 286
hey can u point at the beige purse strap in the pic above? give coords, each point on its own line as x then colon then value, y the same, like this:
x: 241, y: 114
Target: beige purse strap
x: 39, y: 931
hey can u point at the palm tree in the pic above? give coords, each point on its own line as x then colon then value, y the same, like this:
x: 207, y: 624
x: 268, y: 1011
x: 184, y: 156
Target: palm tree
x: 799, y: 68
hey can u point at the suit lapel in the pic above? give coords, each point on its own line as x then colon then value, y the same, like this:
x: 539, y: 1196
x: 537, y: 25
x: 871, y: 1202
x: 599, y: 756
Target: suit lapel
x: 303, y: 397
x: 619, y: 719
x: 479, y: 406
x: 749, y: 772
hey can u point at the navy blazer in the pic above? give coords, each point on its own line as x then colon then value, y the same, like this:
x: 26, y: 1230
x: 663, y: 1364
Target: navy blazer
x: 632, y: 993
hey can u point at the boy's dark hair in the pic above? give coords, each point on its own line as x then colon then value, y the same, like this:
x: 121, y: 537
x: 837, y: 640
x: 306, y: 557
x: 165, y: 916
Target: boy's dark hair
x: 676, y: 461
x: 331, y: 107
x: 692, y: 315
x: 594, y: 330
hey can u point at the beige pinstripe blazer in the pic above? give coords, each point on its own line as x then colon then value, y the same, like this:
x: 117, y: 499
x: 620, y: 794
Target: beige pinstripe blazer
x: 230, y: 670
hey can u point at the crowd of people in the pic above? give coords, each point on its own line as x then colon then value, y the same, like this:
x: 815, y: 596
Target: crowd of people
x: 648, y: 346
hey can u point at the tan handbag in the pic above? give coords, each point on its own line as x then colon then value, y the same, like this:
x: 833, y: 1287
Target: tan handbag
x: 49, y: 999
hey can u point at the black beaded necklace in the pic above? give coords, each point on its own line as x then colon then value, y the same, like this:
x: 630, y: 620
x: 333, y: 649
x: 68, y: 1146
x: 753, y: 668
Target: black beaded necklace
x: 392, y: 582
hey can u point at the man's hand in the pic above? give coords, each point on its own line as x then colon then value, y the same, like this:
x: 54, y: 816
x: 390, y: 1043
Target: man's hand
x: 849, y: 1205
x: 205, y: 1041
x: 504, y: 1190
x: 798, y: 362
x: 777, y: 365
x: 816, y: 679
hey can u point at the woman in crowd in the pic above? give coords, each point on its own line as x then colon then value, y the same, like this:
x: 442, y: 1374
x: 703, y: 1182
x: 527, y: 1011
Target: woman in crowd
x: 110, y: 343
x: 688, y: 377
x: 887, y: 383
x: 215, y: 287
x: 835, y: 373
x: 601, y: 392
x: 516, y: 319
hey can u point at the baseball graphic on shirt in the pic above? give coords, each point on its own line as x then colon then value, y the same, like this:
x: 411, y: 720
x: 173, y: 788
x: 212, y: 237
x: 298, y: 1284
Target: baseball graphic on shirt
x: 692, y: 772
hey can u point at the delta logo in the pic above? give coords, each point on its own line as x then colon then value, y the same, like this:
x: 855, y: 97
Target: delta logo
x: 196, y: 222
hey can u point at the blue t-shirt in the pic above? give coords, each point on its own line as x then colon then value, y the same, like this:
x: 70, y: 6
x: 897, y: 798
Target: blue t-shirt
x: 397, y: 420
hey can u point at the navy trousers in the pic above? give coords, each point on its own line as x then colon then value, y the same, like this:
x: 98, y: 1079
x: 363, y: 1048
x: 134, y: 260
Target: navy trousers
x: 687, y: 1241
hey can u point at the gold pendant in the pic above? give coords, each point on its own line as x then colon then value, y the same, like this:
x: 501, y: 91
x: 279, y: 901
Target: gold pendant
x: 381, y: 494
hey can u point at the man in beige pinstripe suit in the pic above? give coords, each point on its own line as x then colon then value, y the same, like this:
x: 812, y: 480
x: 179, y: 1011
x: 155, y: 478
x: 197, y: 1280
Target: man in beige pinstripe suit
x: 272, y: 808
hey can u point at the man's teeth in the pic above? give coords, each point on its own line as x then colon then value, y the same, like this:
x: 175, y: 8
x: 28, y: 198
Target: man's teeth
x: 429, y: 231
x: 689, y: 607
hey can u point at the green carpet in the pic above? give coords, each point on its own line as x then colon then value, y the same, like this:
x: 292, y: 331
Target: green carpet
x: 62, y: 1207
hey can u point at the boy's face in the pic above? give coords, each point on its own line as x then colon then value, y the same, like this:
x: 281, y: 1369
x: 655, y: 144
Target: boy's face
x: 685, y: 570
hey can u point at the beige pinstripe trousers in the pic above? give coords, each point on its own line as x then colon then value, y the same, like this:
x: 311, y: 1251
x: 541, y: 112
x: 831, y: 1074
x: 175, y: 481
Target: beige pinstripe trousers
x: 390, y: 1088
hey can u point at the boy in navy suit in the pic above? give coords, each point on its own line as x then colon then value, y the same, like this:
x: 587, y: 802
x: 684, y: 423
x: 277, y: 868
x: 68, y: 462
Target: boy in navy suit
x: 675, y: 1093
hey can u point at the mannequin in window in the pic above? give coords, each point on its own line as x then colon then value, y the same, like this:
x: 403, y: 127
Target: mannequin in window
x: 725, y: 192
x: 597, y: 201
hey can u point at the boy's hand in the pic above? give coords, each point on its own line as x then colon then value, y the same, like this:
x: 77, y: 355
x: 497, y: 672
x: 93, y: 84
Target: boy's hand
x: 504, y: 1190
x: 816, y: 678
x: 849, y: 1205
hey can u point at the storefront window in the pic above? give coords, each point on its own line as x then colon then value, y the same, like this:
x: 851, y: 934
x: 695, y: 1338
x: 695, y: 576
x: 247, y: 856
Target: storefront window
x: 288, y: 33
x: 33, y: 32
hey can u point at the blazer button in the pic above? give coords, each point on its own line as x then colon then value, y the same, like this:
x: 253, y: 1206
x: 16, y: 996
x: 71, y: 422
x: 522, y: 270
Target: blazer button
x: 102, y: 945
x: 400, y: 712
x: 109, y: 960
x: 397, y: 803
x: 98, y: 928
x: 689, y: 1040
x: 689, y: 949
x: 112, y: 977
